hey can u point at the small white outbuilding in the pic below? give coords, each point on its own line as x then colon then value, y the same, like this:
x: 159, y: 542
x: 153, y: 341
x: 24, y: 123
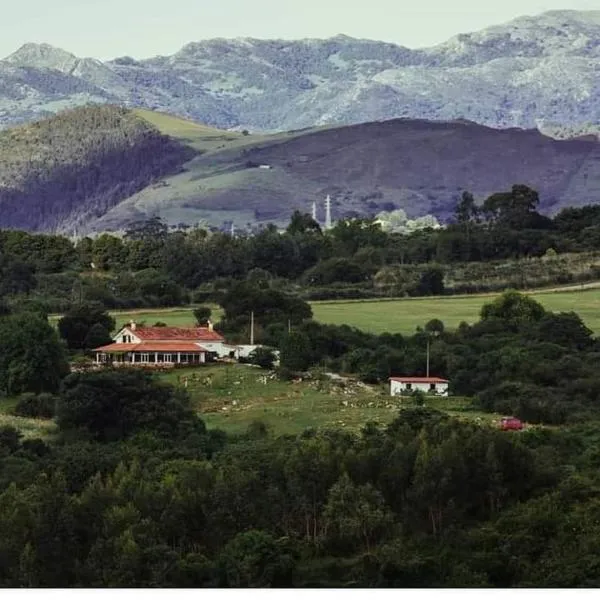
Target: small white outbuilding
x: 428, y: 385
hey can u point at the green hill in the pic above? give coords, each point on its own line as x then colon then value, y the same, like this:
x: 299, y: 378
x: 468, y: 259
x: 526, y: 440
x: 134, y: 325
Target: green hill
x: 61, y: 172
x: 101, y: 168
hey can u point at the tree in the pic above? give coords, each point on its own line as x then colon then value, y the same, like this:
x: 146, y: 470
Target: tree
x: 513, y: 308
x: 356, y: 514
x: 335, y: 270
x: 255, y: 559
x: 108, y: 252
x: 112, y: 405
x: 302, y: 223
x: 431, y: 282
x: 202, y: 315
x: 86, y: 324
x: 269, y: 307
x: 32, y: 359
x: 296, y: 352
x: 466, y: 210
x: 263, y: 357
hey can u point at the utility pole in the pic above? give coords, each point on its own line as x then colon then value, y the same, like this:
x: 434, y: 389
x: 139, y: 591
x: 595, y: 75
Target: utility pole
x: 289, y: 326
x: 252, y: 328
x: 427, y: 356
x: 328, y: 212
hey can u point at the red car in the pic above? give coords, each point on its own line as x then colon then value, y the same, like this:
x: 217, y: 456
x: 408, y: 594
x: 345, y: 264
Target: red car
x: 511, y: 424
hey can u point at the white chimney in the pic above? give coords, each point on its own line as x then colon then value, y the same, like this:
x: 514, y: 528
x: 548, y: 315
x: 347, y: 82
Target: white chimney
x: 210, y: 325
x: 132, y: 325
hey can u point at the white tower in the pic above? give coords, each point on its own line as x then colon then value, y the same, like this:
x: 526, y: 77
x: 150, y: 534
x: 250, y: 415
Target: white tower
x: 232, y: 229
x: 328, y: 212
x: 314, y: 211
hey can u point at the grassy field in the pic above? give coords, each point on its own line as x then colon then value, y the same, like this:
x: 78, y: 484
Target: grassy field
x: 231, y: 397
x: 402, y: 315
x: 405, y: 315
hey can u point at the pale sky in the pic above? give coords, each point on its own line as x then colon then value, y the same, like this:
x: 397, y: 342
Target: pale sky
x: 141, y: 28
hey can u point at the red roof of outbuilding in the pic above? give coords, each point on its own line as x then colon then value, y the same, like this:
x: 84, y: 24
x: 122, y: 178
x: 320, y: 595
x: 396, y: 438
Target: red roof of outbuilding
x: 419, y: 379
x: 176, y: 333
x: 153, y: 347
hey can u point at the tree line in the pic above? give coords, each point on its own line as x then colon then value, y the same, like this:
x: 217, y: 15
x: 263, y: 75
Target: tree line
x: 154, y: 266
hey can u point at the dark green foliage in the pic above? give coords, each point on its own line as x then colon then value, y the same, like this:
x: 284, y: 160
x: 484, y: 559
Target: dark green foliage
x: 86, y: 326
x: 427, y: 502
x: 202, y: 315
x: 263, y: 357
x: 431, y: 282
x: 37, y: 406
x: 513, y: 309
x: 112, y: 405
x: 269, y: 306
x: 255, y: 559
x: 32, y: 358
x: 296, y: 352
x: 336, y: 270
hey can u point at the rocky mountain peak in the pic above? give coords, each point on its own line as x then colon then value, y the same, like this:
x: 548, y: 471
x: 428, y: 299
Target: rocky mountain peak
x: 41, y: 56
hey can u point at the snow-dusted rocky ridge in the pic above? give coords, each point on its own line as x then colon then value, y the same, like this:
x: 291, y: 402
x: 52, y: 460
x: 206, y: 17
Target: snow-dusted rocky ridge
x: 541, y: 71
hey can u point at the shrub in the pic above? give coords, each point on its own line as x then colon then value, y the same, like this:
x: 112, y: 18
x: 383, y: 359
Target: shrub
x: 37, y: 406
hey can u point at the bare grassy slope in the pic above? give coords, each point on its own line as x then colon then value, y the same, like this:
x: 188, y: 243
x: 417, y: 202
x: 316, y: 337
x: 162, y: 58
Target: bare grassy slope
x: 420, y: 166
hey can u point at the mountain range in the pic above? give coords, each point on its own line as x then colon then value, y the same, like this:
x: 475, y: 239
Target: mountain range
x: 533, y: 72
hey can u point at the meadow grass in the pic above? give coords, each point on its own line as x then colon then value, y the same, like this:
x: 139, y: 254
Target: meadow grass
x: 395, y: 315
x: 232, y: 397
x: 404, y: 315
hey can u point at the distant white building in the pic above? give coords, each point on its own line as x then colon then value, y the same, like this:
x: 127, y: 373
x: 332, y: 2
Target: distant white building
x: 428, y: 385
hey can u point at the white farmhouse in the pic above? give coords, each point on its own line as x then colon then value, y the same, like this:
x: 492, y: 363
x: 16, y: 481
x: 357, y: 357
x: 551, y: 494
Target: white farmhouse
x: 428, y: 385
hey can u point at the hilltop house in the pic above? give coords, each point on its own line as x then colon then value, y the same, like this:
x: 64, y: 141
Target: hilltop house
x: 428, y: 385
x: 169, y: 346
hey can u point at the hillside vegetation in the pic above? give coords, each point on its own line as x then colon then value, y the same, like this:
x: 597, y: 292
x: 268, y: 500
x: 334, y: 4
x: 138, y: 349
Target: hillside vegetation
x: 60, y: 172
x: 102, y: 168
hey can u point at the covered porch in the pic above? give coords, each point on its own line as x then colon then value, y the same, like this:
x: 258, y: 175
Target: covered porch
x: 149, y: 355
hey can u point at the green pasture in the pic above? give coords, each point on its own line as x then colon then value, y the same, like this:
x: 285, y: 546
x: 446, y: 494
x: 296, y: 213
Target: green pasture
x: 232, y: 397
x: 399, y: 315
x: 404, y: 315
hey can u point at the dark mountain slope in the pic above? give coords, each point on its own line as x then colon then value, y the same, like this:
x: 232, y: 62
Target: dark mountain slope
x: 419, y: 166
x: 76, y: 166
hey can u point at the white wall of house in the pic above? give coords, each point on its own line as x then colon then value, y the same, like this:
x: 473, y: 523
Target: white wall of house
x: 222, y: 349
x: 126, y: 336
x: 398, y: 387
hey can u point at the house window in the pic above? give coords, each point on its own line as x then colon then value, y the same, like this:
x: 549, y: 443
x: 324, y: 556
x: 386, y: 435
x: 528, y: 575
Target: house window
x: 432, y: 387
x: 145, y: 358
x: 168, y: 358
x: 409, y: 386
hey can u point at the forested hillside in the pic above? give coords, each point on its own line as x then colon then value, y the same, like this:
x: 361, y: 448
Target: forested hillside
x: 60, y: 172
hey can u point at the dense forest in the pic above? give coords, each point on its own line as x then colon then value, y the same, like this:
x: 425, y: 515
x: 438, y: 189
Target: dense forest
x: 63, y: 170
x: 136, y: 492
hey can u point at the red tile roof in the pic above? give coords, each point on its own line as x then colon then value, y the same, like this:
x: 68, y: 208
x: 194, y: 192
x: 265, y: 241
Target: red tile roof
x: 419, y: 379
x: 176, y: 333
x: 174, y: 346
